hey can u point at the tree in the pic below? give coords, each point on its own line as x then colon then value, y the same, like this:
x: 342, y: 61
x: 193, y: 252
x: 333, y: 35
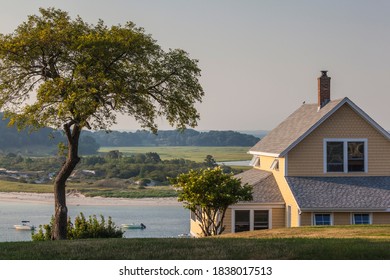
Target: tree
x: 65, y: 73
x: 208, y: 193
x: 209, y: 161
x: 153, y: 157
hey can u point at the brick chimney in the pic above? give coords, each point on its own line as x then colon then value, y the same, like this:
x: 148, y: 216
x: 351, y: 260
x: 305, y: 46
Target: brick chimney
x: 323, y: 90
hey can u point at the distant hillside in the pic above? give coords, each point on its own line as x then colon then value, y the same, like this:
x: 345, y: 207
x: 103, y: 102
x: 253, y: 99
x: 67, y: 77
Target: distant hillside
x: 24, y: 142
x: 12, y: 140
x: 42, y: 142
x: 188, y: 137
x: 256, y: 133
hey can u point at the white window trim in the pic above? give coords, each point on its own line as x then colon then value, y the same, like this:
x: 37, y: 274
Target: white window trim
x: 289, y: 213
x: 345, y: 150
x: 255, y: 162
x: 275, y: 165
x: 313, y: 220
x: 353, y: 217
x: 251, y: 217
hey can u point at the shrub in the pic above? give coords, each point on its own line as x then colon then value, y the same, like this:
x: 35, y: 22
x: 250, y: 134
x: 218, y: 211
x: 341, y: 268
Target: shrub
x: 82, y: 229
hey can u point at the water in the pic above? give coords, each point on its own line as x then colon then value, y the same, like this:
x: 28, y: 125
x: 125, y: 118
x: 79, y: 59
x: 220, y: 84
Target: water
x: 160, y: 221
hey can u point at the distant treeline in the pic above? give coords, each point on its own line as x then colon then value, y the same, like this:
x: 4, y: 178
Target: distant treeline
x: 19, y: 141
x: 189, y: 137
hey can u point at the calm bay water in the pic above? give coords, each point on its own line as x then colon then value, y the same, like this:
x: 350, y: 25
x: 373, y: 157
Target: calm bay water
x: 160, y: 221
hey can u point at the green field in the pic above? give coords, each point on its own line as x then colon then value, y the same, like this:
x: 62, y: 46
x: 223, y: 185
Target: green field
x: 105, y: 188
x: 7, y: 186
x: 313, y: 243
x: 197, y: 154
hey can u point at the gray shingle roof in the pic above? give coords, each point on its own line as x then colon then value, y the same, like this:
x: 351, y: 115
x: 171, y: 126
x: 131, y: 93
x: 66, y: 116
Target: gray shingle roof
x: 291, y: 129
x: 265, y: 188
x: 341, y: 192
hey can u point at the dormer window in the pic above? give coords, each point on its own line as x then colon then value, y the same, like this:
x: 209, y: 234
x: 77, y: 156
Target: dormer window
x: 345, y: 155
x: 275, y: 165
x: 255, y: 162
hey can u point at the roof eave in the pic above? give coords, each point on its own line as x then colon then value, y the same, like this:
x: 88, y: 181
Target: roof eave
x: 264, y: 154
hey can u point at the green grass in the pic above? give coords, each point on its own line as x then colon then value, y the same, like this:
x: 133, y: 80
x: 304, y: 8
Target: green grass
x: 293, y: 247
x: 8, y: 186
x: 130, y: 192
x: 197, y: 154
x: 104, y: 188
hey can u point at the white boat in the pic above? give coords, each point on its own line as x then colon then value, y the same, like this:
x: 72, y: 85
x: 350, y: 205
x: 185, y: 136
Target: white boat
x: 133, y: 226
x: 24, y: 226
x: 184, y: 235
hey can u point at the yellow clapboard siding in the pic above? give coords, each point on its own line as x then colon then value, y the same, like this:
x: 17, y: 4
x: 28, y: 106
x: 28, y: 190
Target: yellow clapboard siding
x: 381, y: 218
x: 341, y: 218
x: 307, y: 158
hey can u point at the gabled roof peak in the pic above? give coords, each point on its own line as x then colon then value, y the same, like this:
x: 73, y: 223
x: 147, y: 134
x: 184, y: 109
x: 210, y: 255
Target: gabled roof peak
x: 301, y: 123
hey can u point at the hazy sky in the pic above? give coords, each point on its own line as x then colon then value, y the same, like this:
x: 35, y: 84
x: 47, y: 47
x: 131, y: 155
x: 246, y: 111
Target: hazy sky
x: 260, y: 59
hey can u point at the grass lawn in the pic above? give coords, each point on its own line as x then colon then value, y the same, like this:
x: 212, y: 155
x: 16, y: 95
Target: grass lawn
x: 309, y: 243
x: 197, y: 154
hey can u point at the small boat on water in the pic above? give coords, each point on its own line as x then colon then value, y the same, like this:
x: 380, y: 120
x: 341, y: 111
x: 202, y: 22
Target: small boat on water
x: 24, y: 226
x: 184, y: 235
x: 133, y: 226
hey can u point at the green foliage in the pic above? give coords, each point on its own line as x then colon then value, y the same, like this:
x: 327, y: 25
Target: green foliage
x: 83, y: 73
x: 82, y: 228
x: 208, y: 193
x: 114, y: 154
x: 140, y: 167
x: 209, y: 161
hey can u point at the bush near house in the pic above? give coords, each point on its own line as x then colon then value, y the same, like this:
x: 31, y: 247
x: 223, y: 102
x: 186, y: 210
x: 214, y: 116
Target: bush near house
x: 82, y: 228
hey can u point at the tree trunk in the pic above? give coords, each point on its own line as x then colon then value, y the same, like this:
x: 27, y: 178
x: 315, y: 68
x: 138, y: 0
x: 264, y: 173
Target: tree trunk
x: 59, y: 230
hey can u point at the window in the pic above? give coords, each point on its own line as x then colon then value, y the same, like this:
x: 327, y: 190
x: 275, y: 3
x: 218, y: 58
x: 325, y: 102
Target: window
x: 246, y: 220
x: 242, y: 220
x: 255, y: 161
x: 355, y: 156
x: 260, y: 219
x: 335, y: 156
x: 275, y: 165
x: 193, y: 217
x: 322, y: 220
x: 345, y: 155
x: 361, y: 219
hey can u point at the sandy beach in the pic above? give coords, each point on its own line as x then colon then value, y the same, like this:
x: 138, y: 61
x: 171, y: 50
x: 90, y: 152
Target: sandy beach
x: 79, y: 199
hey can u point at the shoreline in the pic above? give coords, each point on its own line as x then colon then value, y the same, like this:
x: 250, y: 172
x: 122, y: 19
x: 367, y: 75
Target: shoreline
x: 77, y: 199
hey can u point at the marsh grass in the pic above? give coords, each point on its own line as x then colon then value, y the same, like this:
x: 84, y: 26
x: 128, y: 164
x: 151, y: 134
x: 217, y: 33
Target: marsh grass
x: 131, y: 192
x: 116, y: 188
x: 193, y: 153
x: 8, y: 186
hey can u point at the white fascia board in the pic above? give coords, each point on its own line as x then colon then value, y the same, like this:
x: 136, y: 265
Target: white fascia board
x: 256, y: 206
x: 264, y: 154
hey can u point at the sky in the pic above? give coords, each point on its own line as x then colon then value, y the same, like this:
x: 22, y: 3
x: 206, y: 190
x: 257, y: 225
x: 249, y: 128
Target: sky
x: 259, y: 59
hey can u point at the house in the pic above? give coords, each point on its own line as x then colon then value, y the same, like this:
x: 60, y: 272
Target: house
x: 326, y: 164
